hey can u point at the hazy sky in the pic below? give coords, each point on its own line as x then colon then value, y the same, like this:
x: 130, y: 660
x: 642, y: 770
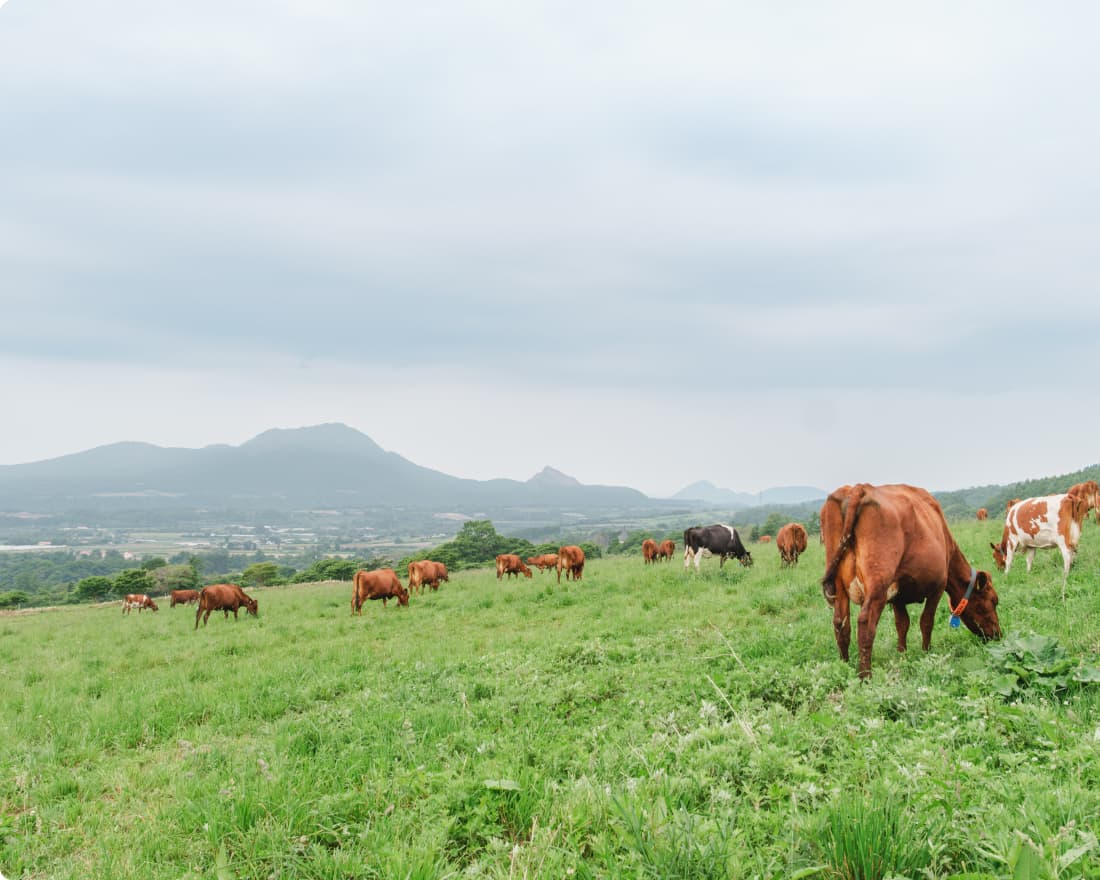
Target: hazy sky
x: 645, y: 243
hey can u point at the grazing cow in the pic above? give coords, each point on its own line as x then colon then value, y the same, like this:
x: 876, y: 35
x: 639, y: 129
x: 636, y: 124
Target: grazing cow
x: 381, y: 584
x: 1090, y: 491
x: 426, y: 572
x: 511, y: 564
x: 666, y: 550
x: 183, y: 597
x: 571, y: 560
x: 224, y: 598
x: 1037, y: 523
x: 544, y: 562
x: 791, y: 542
x: 983, y: 514
x: 649, y: 550
x: 139, y: 601
x: 891, y: 544
x: 718, y: 540
x: 764, y: 539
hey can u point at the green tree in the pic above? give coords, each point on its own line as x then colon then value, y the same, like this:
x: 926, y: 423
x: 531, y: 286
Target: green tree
x: 94, y: 589
x: 175, y: 577
x: 133, y: 580
x: 772, y: 524
x: 260, y: 574
x: 153, y: 563
x: 13, y: 599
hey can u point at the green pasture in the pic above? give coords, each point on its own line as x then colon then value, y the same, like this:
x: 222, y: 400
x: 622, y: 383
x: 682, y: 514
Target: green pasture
x: 645, y: 722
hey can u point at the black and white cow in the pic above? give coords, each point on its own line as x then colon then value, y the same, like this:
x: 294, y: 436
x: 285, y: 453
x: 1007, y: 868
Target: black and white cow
x: 719, y: 540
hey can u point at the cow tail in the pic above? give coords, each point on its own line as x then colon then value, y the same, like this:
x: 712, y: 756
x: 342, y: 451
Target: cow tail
x: 855, y: 496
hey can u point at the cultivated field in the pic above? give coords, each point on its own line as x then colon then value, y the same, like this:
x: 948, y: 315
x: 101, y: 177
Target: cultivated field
x: 642, y: 723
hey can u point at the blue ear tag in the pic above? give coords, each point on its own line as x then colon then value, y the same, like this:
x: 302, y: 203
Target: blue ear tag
x: 954, y: 622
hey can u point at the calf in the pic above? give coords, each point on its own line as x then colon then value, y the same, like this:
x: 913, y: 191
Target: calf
x: 139, y: 601
x: 544, y: 562
x: 381, y: 584
x: 649, y: 550
x: 225, y: 598
x: 666, y: 550
x: 184, y: 597
x: 1038, y: 523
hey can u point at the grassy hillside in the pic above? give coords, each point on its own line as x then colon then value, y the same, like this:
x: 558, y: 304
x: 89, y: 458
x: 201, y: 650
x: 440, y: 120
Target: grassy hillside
x: 642, y: 723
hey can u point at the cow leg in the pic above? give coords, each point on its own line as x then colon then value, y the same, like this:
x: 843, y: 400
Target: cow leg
x: 928, y: 619
x: 1030, y: 557
x: 901, y: 624
x: 869, y: 614
x: 1067, y: 563
x: 842, y: 624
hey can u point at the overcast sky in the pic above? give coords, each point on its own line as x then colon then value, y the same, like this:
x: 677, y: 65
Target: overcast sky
x: 645, y: 243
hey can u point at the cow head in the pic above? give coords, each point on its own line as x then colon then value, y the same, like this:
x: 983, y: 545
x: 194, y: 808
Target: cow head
x: 153, y: 605
x: 999, y: 551
x: 253, y: 607
x: 980, y: 614
x: 402, y: 595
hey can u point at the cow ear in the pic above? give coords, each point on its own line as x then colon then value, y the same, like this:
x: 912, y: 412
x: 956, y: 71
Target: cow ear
x: 993, y: 546
x: 983, y: 580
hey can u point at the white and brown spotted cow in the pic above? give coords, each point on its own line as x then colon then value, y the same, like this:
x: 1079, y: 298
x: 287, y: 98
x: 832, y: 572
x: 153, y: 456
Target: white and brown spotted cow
x: 139, y: 601
x: 1038, y: 523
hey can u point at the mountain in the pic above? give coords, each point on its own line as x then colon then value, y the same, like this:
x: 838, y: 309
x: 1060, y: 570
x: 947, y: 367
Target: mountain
x: 704, y: 490
x: 321, y: 466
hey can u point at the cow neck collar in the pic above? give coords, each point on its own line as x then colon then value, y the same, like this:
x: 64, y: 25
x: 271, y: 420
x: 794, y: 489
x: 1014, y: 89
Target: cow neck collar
x: 957, y: 611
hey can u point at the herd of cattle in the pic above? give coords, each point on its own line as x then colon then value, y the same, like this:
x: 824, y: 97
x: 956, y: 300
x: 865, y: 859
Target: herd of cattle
x: 883, y: 545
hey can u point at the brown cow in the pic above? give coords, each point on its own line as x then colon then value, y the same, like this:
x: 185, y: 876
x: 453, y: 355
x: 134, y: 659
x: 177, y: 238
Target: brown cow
x: 891, y: 544
x: 544, y: 561
x: 666, y: 550
x: 1090, y: 491
x: 184, y: 597
x: 649, y: 550
x: 791, y: 542
x: 381, y: 584
x: 570, y: 558
x: 225, y: 598
x: 426, y: 572
x: 764, y: 539
x: 139, y: 601
x: 983, y: 514
x: 511, y: 564
x: 1037, y: 523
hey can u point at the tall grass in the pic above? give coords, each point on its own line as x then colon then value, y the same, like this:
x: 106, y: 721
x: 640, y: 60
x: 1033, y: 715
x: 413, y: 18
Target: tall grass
x: 645, y: 722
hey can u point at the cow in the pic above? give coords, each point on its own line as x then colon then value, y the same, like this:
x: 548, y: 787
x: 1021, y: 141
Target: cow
x: 719, y: 540
x: 649, y: 550
x: 183, y: 597
x: 224, y: 598
x: 139, y: 601
x: 571, y: 560
x: 791, y: 543
x: 381, y: 584
x: 764, y: 539
x: 1090, y: 491
x: 666, y: 550
x: 511, y: 564
x: 544, y: 562
x: 1038, y: 523
x: 426, y: 572
x: 890, y: 544
x: 983, y: 514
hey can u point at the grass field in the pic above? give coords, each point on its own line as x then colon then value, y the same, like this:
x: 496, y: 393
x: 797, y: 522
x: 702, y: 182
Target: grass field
x: 642, y: 723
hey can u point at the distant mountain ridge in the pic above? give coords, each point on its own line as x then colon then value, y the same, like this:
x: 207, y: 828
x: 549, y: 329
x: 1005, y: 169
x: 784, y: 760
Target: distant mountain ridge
x: 704, y: 490
x: 330, y: 465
